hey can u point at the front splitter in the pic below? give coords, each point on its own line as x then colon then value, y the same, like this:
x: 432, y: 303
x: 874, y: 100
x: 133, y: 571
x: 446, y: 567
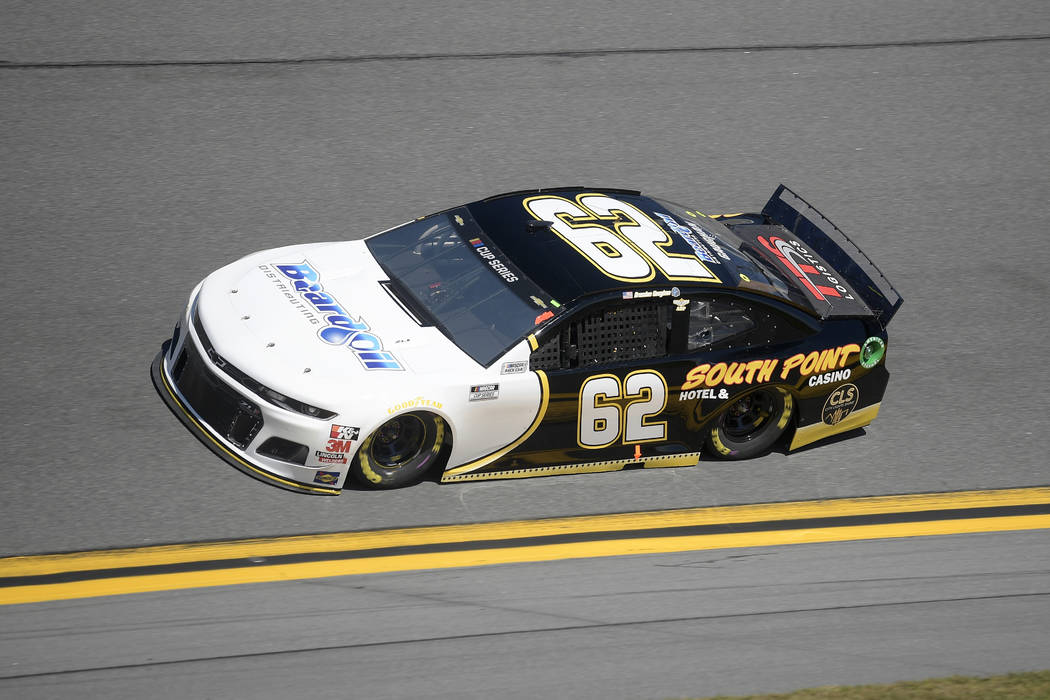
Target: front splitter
x: 171, y: 399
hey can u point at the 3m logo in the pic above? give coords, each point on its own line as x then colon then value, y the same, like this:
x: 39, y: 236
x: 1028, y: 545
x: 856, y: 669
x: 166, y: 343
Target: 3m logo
x: 340, y: 446
x: 343, y: 432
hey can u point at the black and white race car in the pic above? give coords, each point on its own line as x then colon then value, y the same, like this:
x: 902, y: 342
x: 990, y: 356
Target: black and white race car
x: 533, y: 333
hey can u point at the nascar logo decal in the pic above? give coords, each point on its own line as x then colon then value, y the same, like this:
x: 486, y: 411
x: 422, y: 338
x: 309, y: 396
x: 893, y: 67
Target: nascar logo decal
x: 341, y: 328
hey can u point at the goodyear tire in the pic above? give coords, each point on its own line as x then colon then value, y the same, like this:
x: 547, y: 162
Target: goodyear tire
x: 750, y: 424
x: 400, y: 451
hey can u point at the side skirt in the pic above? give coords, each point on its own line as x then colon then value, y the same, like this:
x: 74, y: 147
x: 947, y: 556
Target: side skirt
x: 684, y: 459
x: 806, y: 434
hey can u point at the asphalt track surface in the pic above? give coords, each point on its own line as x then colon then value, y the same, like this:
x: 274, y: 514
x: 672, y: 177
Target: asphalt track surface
x: 655, y: 626
x: 145, y: 144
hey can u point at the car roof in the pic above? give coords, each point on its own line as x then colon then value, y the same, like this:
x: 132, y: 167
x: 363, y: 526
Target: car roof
x: 552, y: 263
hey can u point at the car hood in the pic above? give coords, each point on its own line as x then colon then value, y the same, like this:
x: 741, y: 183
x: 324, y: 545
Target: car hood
x: 314, y: 320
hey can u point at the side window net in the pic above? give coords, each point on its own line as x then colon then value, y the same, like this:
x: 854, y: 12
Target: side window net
x: 548, y: 355
x: 638, y: 331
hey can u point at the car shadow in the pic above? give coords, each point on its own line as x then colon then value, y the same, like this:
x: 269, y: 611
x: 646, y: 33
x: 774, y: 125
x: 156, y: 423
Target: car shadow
x: 782, y: 447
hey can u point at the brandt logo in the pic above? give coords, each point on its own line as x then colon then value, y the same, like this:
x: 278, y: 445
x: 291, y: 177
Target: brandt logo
x: 341, y: 328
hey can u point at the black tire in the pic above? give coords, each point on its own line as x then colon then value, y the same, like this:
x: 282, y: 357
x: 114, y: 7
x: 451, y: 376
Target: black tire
x: 750, y: 424
x: 400, y: 451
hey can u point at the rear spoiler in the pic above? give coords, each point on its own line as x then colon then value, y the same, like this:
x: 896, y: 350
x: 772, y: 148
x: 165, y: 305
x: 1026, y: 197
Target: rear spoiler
x: 802, y: 219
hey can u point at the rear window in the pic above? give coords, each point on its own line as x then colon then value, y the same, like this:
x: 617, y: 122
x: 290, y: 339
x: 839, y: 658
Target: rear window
x: 719, y: 322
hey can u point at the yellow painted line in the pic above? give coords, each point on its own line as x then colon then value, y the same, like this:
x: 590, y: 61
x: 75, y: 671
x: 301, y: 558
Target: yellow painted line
x: 35, y: 565
x: 483, y: 557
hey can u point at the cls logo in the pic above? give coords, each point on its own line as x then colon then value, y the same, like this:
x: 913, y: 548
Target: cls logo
x: 840, y: 404
x: 842, y: 396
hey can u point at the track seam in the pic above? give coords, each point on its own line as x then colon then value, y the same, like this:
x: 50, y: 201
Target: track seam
x: 509, y: 633
x: 577, y: 53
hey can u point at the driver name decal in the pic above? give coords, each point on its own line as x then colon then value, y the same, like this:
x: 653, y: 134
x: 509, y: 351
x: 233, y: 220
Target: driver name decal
x: 341, y: 328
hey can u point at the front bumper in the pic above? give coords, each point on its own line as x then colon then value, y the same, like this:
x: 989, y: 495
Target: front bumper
x: 209, y: 405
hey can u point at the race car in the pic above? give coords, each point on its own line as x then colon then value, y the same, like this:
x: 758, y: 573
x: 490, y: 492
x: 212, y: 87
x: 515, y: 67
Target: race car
x: 550, y: 331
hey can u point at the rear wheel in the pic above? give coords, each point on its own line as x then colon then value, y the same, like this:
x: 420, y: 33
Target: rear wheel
x: 750, y: 425
x: 400, y: 451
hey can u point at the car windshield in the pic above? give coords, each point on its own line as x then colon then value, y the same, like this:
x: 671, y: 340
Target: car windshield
x: 451, y: 269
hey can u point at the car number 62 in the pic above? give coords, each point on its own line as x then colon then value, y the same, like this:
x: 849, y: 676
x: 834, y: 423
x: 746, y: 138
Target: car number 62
x: 617, y: 238
x: 611, y: 410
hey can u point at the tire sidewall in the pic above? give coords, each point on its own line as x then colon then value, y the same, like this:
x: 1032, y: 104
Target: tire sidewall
x: 368, y: 472
x: 722, y: 446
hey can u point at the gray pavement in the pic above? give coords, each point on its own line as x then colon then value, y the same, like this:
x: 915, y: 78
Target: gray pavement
x: 123, y: 186
x: 50, y: 31
x: 656, y: 626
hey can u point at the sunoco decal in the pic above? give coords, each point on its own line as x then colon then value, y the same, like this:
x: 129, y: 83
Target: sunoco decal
x: 341, y: 328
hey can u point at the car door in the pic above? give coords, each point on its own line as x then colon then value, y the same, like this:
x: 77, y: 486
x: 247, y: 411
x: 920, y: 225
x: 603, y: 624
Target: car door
x: 611, y: 380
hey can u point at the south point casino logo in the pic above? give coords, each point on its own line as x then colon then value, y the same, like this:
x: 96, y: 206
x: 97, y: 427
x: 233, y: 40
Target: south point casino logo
x: 341, y: 328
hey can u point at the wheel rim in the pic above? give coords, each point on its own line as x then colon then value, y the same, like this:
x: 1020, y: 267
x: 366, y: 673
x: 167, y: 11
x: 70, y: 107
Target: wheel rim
x: 398, y: 441
x: 747, y: 415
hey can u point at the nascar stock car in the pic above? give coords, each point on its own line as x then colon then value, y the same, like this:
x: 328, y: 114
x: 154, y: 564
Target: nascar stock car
x: 533, y: 333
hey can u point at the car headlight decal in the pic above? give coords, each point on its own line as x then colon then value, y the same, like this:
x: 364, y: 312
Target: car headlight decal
x: 256, y: 387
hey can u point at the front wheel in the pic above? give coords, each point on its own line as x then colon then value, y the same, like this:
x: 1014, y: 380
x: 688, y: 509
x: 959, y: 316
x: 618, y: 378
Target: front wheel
x: 400, y: 451
x: 750, y: 425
